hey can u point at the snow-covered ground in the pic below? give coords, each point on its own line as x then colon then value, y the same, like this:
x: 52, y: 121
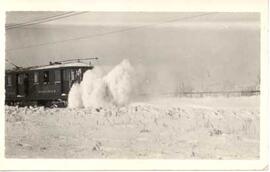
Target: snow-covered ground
x: 181, y: 128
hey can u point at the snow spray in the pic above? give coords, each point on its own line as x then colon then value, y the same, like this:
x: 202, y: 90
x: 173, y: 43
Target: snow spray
x: 98, y: 90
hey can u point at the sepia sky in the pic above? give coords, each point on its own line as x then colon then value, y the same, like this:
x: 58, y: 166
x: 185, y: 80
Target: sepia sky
x: 201, y: 50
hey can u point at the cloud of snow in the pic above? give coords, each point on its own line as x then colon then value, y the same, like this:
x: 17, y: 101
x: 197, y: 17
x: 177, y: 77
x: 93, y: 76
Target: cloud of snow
x: 120, y: 81
x: 92, y: 88
x: 98, y: 90
x: 74, y: 96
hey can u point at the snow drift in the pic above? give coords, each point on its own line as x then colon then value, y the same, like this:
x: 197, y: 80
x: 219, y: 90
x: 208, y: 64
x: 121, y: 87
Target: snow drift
x: 98, y: 90
x: 159, y: 128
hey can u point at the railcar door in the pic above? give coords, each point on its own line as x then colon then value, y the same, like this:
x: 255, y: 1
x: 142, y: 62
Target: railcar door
x: 23, y: 84
x: 65, y: 77
x: 26, y: 84
x: 17, y: 84
x: 62, y: 73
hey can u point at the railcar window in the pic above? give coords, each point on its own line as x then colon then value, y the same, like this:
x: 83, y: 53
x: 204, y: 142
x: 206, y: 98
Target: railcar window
x: 79, y: 74
x: 57, y: 75
x: 36, y: 77
x: 20, y: 79
x: 72, y: 75
x: 46, y: 77
x: 9, y: 80
x: 66, y: 75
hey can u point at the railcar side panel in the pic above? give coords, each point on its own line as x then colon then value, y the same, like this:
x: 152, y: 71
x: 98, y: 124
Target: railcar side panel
x: 42, y: 84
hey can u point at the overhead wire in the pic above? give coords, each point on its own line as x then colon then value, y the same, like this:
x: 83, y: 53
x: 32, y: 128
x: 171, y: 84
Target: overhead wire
x: 44, y: 20
x: 10, y: 26
x: 111, y: 32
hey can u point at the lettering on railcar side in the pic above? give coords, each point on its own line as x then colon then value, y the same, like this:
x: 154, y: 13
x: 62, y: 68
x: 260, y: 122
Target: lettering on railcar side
x: 46, y: 91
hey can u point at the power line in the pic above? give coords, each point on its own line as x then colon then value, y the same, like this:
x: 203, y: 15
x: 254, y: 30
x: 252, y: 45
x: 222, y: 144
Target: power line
x: 44, y: 20
x: 37, y: 19
x: 111, y: 32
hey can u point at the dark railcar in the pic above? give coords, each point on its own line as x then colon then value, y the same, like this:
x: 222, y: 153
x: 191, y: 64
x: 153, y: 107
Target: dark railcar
x: 46, y: 85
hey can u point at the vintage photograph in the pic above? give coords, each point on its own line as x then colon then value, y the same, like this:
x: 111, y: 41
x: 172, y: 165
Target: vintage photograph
x: 132, y: 85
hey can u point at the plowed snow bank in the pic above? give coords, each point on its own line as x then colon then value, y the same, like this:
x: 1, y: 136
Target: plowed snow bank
x: 161, y: 128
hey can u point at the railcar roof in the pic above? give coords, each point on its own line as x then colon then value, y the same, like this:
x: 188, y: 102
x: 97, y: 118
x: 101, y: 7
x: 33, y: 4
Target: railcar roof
x: 76, y: 64
x: 53, y: 66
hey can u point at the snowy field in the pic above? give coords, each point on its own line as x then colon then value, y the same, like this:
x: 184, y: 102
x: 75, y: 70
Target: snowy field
x: 181, y: 128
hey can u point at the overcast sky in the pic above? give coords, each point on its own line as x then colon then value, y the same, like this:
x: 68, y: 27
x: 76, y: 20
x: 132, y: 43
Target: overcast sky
x: 209, y: 50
